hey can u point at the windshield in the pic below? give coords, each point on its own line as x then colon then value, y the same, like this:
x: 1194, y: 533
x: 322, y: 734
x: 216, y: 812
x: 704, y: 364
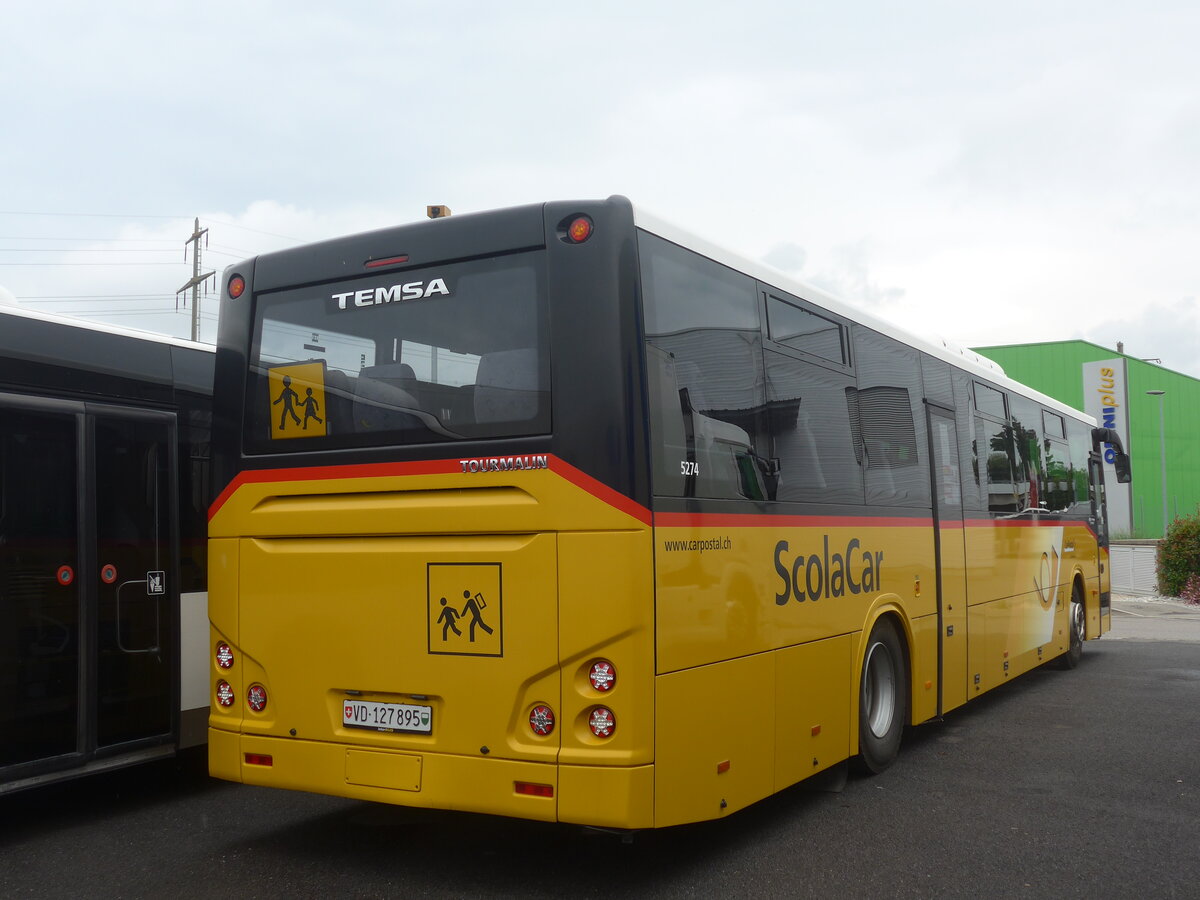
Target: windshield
x: 449, y: 352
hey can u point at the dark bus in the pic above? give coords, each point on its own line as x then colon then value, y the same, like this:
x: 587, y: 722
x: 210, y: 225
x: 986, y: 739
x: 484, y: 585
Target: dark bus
x: 104, y: 484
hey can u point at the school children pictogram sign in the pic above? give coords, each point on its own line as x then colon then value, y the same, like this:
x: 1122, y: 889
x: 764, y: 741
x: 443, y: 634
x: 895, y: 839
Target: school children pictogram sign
x: 297, y: 397
x: 466, y: 609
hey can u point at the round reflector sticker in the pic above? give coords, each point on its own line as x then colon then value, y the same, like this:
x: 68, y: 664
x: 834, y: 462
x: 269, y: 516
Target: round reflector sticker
x: 541, y: 720
x: 602, y: 722
x: 256, y: 697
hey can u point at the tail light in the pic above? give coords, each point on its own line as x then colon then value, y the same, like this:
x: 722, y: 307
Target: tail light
x: 224, y: 693
x: 541, y: 720
x: 224, y: 656
x: 602, y: 722
x: 256, y: 697
x: 602, y: 676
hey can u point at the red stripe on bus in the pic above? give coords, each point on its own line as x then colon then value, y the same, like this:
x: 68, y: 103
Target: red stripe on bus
x: 599, y: 490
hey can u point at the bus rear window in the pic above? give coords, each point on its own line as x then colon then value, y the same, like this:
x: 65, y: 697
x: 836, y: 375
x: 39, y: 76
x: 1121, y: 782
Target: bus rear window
x: 445, y: 353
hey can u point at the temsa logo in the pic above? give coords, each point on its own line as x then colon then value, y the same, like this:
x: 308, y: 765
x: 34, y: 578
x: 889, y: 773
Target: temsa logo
x: 412, y: 290
x: 813, y: 577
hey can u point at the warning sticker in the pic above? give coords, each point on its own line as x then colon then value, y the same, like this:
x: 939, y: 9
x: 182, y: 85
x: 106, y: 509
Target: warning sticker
x: 465, y: 609
x: 297, y: 400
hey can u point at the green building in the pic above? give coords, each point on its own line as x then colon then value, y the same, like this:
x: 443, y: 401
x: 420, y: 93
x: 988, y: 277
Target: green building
x: 1156, y: 412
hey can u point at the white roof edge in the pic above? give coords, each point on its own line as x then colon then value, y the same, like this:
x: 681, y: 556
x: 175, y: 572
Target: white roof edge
x: 961, y: 357
x: 72, y: 322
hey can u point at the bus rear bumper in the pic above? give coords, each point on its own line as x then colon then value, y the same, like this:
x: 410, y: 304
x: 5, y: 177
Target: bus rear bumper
x: 602, y: 796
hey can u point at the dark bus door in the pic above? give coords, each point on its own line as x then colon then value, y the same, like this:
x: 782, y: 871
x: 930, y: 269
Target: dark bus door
x: 950, y: 554
x: 87, y: 562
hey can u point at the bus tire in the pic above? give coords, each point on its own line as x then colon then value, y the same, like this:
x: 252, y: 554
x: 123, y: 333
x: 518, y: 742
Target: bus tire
x: 882, y: 697
x: 1077, y: 626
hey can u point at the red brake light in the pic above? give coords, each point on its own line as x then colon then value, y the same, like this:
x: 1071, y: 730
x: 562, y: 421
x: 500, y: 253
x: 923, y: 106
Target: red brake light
x: 237, y: 287
x: 541, y: 720
x: 579, y: 230
x: 533, y: 790
x: 602, y: 676
x: 224, y: 693
x: 387, y: 261
x: 224, y: 656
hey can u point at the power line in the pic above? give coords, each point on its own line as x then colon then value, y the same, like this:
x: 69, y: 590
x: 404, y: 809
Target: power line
x: 13, y: 212
x: 90, y: 250
x: 107, y: 240
x: 91, y: 264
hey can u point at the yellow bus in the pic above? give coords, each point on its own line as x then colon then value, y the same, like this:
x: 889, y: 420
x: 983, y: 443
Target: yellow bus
x: 562, y: 513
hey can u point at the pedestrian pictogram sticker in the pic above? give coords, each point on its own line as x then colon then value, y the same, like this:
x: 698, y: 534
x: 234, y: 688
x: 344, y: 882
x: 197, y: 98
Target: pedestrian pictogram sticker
x: 156, y: 582
x: 297, y: 398
x: 466, y: 609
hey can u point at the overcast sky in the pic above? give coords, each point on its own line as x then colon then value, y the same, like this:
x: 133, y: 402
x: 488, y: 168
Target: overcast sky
x: 990, y: 173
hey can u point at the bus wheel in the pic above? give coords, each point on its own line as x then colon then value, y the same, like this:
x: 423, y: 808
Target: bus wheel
x: 882, y: 697
x: 1078, y: 625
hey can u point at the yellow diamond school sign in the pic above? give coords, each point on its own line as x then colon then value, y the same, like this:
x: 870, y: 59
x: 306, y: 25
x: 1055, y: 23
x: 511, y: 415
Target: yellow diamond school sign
x: 297, y: 398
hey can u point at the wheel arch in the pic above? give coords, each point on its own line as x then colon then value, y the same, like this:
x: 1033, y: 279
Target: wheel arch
x: 885, y: 606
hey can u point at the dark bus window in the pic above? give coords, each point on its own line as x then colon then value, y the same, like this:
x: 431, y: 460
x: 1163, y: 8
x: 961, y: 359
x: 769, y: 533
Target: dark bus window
x: 990, y: 401
x: 195, y: 488
x: 995, y: 459
x: 892, y: 433
x: 704, y: 359
x: 451, y: 352
x: 812, y: 432
x: 1079, y: 438
x: 972, y: 491
x: 1057, y: 487
x: 793, y: 325
x: 936, y: 376
x: 1053, y: 425
x: 1029, y: 468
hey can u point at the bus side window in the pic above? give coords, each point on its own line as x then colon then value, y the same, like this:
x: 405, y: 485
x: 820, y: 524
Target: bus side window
x: 669, y: 447
x: 811, y: 426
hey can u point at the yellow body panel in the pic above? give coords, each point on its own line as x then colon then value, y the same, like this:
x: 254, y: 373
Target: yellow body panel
x: 737, y: 640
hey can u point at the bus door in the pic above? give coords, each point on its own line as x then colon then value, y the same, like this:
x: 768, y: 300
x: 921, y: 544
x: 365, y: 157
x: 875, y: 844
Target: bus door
x: 1099, y: 619
x: 86, y: 633
x: 950, y: 556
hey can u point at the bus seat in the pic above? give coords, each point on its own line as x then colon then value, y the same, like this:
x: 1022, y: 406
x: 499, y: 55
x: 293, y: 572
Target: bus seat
x: 338, y: 400
x: 379, y: 403
x: 399, y: 375
x: 506, y: 386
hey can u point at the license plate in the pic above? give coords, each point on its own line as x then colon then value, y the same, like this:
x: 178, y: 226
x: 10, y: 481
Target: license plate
x: 408, y: 717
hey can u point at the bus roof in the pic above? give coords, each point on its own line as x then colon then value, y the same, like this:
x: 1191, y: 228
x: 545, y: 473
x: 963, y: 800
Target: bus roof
x: 73, y: 322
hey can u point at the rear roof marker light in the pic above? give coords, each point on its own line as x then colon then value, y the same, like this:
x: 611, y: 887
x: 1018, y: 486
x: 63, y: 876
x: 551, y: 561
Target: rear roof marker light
x: 237, y: 287
x: 386, y: 261
x: 579, y: 229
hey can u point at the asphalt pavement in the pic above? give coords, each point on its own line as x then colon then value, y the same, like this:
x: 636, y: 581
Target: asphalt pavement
x: 1083, y: 783
x: 1154, y: 619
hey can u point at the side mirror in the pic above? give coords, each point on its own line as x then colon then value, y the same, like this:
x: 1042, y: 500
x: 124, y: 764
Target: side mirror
x: 1121, y: 466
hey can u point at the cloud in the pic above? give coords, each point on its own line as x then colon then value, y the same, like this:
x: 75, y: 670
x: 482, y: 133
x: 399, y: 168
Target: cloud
x: 1166, y: 332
